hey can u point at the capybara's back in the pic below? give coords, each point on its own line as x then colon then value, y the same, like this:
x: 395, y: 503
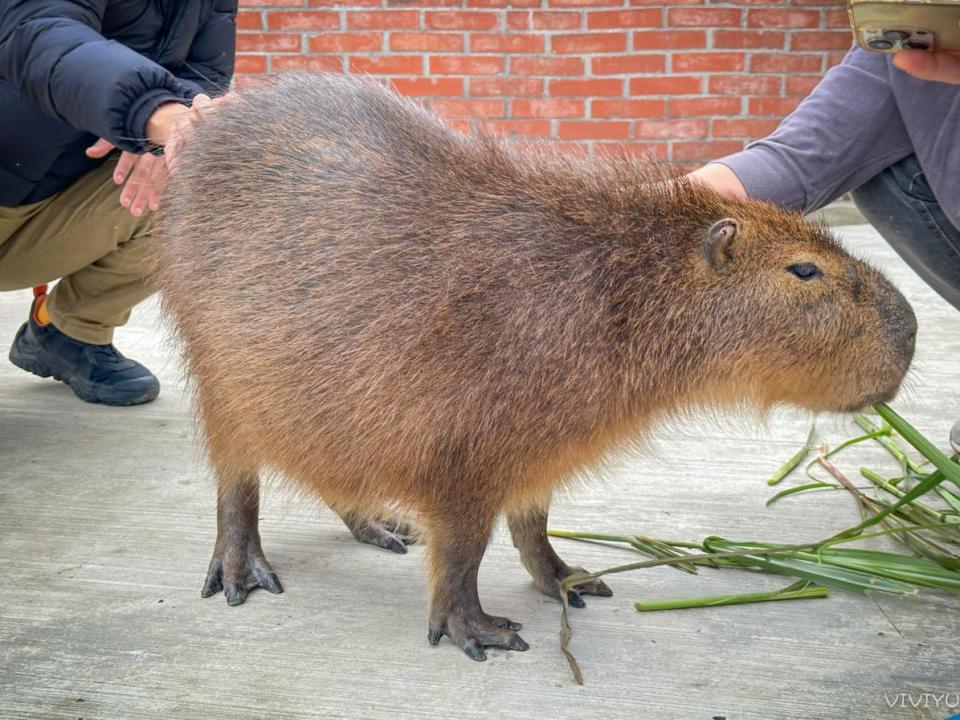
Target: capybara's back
x: 387, y: 311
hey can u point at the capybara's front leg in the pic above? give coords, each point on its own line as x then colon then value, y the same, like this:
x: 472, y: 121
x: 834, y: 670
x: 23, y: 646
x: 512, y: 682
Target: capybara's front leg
x: 529, y: 531
x: 457, y: 541
x: 238, y: 564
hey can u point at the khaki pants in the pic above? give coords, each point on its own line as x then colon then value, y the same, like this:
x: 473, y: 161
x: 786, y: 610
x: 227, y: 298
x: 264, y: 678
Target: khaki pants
x: 84, y: 236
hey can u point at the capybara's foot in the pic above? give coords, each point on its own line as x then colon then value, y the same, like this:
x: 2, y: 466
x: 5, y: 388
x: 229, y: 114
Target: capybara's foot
x: 474, y: 630
x: 237, y: 571
x: 594, y: 587
x: 393, y: 535
x: 529, y: 531
x: 238, y: 565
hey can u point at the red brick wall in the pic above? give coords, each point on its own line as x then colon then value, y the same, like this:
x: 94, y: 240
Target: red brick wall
x: 685, y: 81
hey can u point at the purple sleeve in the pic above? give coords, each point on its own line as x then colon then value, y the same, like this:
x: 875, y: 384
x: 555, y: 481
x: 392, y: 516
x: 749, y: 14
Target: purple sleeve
x: 844, y: 133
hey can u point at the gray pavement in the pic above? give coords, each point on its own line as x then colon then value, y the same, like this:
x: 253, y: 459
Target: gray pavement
x: 107, y: 522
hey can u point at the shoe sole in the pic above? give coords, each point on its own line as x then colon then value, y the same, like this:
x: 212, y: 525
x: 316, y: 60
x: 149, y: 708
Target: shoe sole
x: 87, y: 392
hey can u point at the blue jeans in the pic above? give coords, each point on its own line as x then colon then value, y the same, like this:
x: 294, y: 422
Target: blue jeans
x: 899, y: 204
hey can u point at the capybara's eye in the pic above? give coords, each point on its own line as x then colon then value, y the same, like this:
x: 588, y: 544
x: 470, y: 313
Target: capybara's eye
x: 805, y: 271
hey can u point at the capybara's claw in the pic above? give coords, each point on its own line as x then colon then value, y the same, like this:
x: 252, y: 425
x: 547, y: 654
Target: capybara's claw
x: 238, y: 578
x: 593, y: 587
x: 392, y: 535
x: 473, y: 634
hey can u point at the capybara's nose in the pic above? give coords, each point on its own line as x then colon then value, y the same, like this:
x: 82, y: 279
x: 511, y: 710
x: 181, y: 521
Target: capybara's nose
x: 903, y: 327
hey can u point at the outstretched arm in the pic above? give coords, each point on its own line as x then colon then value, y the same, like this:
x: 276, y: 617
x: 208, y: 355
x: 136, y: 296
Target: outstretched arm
x: 52, y: 52
x: 844, y: 133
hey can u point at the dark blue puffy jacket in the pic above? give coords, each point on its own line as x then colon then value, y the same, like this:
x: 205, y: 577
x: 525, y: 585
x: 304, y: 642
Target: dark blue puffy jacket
x: 75, y: 70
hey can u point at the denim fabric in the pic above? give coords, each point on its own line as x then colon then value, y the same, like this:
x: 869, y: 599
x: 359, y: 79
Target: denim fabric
x: 898, y: 202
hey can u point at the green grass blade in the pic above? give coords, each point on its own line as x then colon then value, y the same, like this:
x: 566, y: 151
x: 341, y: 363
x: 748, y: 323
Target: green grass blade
x: 789, y: 466
x: 741, y: 599
x: 800, y: 489
x: 950, y: 469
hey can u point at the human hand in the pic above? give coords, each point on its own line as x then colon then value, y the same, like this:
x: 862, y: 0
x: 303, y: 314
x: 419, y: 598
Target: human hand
x: 145, y: 177
x: 719, y: 178
x: 171, y: 124
x: 937, y: 66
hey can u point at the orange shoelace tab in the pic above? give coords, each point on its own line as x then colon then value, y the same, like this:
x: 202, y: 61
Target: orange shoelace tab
x: 40, y: 314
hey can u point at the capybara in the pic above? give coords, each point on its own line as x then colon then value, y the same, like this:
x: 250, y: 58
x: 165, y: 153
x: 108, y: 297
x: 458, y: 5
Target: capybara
x: 393, y: 314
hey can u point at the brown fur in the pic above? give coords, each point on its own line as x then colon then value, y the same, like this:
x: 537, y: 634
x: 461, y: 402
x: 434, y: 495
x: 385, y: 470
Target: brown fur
x: 386, y: 311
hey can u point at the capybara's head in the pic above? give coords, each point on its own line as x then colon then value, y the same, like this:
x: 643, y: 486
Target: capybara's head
x: 799, y: 320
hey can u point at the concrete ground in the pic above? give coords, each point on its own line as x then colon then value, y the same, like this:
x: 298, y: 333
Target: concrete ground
x: 107, y: 523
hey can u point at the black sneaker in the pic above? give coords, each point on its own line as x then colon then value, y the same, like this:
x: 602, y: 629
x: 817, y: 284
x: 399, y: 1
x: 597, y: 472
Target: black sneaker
x: 96, y: 373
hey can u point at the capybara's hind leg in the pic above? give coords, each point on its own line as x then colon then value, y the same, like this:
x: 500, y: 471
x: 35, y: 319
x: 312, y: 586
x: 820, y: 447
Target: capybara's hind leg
x: 529, y: 531
x: 383, y: 531
x: 456, y: 544
x: 238, y: 564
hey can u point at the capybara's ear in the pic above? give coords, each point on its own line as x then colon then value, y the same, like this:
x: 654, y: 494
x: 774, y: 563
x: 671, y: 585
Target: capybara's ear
x: 718, y: 244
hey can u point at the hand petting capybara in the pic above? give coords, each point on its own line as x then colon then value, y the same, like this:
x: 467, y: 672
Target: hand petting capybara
x: 390, y: 313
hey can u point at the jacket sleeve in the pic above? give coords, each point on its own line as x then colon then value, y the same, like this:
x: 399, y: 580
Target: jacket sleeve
x: 52, y: 53
x: 209, y: 66
x: 844, y: 133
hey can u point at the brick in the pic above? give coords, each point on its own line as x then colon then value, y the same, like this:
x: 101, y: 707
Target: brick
x: 525, y: 128
x: 503, y: 3
x: 783, y: 18
x: 776, y: 106
x: 669, y: 129
x: 834, y: 58
x: 616, y: 19
x: 460, y: 125
x: 821, y: 40
x: 675, y: 39
x: 467, y: 108
x: 506, y: 43
x: 312, y: 63
x: 627, y: 64
x: 466, y: 65
x: 346, y: 42
x: 267, y: 42
x: 704, y: 150
x: 800, y: 84
x: 703, y: 17
x: 429, y: 86
x: 706, y: 62
x: 648, y: 150
x: 450, y: 20
x: 585, y: 3
x: 383, y: 20
x: 745, y: 84
x: 589, y: 42
x: 543, y: 20
x: 251, y: 64
x: 249, y: 20
x: 675, y: 85
x: 593, y: 130
x: 585, y: 87
x: 303, y: 20
x: 387, y: 64
x: 508, y: 86
x: 784, y: 63
x: 416, y: 3
x: 546, y: 66
x: 272, y: 3
x: 769, y: 39
x: 320, y: 3
x: 747, y: 128
x: 705, y: 106
x: 547, y: 108
x: 426, y: 41
x: 626, y: 108
x: 836, y: 19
